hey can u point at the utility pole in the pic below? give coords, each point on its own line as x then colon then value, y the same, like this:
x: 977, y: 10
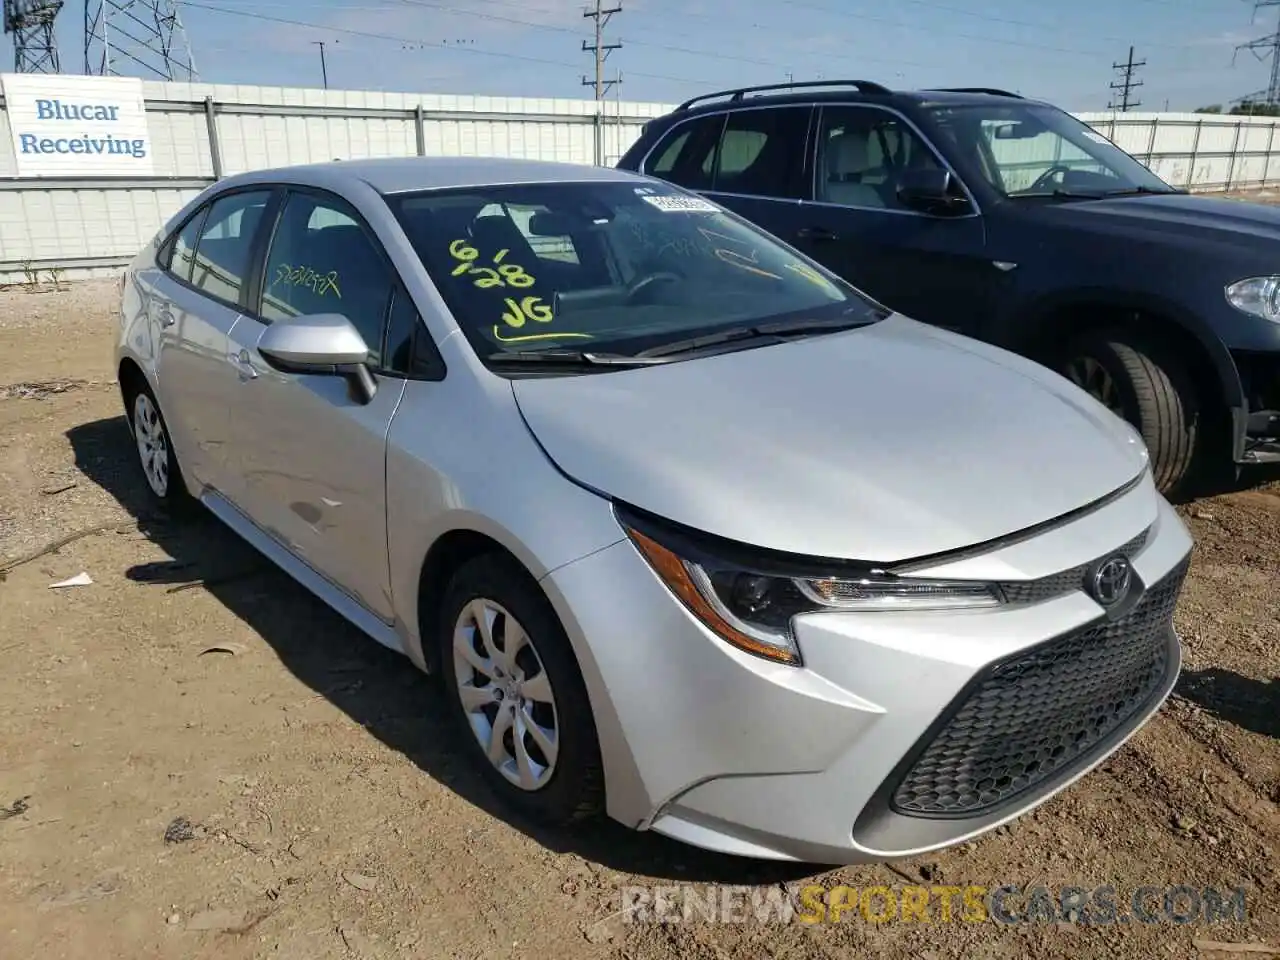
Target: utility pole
x: 1268, y: 46
x: 600, y: 50
x: 1126, y: 84
x: 324, y: 71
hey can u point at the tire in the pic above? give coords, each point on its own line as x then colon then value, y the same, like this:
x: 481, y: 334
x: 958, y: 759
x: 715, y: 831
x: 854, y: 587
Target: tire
x: 1149, y: 388
x: 153, y: 449
x: 569, y: 789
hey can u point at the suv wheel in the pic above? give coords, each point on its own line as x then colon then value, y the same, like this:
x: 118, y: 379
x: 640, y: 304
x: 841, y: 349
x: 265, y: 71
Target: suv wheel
x: 1136, y: 380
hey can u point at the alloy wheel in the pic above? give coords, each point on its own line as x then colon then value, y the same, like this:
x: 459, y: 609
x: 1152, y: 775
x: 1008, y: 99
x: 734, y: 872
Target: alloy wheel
x: 1092, y: 377
x: 506, y: 694
x: 153, y: 444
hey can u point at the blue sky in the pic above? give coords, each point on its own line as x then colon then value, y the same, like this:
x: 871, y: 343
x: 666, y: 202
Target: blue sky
x: 673, y: 49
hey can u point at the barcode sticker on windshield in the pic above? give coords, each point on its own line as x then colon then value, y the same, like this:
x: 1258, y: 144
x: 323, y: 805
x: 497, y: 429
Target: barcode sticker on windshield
x: 674, y: 204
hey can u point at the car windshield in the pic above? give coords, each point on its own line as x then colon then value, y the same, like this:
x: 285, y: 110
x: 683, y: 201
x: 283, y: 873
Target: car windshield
x: 614, y: 267
x: 1030, y: 150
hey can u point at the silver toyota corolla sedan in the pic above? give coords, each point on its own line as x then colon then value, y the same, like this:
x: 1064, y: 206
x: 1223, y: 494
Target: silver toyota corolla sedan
x: 693, y: 532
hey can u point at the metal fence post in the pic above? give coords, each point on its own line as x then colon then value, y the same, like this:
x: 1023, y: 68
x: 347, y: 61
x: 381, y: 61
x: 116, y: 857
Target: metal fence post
x: 1151, y: 141
x: 419, y: 129
x: 215, y: 148
x: 1235, y: 146
x: 1195, y: 149
x: 1266, y: 161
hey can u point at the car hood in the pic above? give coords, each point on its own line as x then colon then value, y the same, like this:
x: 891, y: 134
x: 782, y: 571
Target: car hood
x: 1189, y: 218
x: 884, y: 443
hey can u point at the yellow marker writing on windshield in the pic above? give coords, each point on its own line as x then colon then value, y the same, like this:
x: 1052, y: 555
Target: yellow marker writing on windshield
x: 743, y: 261
x: 518, y: 312
x: 531, y: 308
x: 498, y: 275
x: 812, y: 275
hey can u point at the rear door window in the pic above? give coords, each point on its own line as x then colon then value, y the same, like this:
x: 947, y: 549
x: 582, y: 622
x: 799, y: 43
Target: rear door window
x: 762, y: 152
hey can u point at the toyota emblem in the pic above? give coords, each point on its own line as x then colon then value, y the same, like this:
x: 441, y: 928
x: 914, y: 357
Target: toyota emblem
x: 1111, y: 580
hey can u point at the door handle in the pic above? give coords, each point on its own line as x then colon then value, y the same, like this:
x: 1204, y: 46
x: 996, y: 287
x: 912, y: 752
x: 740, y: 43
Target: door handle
x: 244, y: 365
x: 817, y: 233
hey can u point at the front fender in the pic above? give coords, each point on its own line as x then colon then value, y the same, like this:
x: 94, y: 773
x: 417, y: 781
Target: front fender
x: 1024, y: 329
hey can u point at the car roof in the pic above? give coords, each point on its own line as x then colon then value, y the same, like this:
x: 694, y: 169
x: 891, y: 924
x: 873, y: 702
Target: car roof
x: 389, y: 175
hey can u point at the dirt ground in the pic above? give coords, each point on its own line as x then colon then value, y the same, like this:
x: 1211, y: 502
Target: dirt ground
x: 328, y: 815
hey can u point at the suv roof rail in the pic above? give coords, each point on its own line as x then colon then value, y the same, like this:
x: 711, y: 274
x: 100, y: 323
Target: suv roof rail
x: 862, y: 86
x: 992, y: 91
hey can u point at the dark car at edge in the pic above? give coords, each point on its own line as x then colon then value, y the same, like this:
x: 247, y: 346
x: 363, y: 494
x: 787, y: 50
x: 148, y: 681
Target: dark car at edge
x: 1008, y: 220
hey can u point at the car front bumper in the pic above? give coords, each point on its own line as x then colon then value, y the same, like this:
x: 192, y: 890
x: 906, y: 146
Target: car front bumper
x: 901, y: 733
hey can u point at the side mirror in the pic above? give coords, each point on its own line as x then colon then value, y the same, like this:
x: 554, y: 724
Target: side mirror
x: 324, y: 344
x: 931, y: 190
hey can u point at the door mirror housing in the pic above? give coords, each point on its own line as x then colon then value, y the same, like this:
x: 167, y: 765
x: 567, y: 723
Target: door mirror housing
x: 325, y: 344
x: 931, y: 190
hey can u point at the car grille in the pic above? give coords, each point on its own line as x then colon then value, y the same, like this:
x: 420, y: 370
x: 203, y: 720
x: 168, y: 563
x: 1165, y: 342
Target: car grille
x: 1043, y: 711
x: 1068, y: 581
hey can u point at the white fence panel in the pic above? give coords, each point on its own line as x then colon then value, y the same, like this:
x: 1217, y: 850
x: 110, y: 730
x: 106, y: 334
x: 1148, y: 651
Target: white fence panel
x: 200, y: 132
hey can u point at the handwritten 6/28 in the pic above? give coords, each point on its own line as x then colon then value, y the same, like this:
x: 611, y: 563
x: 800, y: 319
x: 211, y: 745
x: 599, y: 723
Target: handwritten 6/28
x: 500, y: 274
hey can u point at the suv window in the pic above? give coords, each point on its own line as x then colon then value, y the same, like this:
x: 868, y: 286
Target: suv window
x: 323, y: 260
x: 862, y: 151
x: 762, y: 152
x: 1021, y: 162
x: 688, y: 154
x: 225, y: 245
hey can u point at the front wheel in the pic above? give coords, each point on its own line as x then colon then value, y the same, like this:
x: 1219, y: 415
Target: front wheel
x: 1145, y: 385
x: 517, y: 693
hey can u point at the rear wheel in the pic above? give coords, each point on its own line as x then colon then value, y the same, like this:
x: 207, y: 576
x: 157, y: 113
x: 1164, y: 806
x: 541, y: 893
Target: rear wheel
x: 1150, y: 388
x: 155, y: 454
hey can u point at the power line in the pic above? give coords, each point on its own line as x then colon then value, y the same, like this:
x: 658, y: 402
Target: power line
x: 1126, y: 84
x: 400, y: 39
x: 1268, y: 46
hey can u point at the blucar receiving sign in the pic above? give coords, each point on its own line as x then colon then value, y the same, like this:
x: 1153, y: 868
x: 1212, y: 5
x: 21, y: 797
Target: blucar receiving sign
x: 69, y: 126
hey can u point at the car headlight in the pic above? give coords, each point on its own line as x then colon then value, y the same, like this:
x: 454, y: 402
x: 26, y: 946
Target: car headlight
x: 749, y: 598
x: 1259, y: 296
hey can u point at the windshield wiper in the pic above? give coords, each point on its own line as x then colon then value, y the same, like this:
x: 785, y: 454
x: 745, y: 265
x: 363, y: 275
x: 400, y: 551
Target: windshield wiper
x: 1059, y: 193
x: 779, y: 329
x: 581, y: 358
x: 1143, y: 191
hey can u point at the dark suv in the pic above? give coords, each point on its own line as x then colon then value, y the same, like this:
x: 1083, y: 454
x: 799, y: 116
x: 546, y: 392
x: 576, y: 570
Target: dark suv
x: 1011, y: 221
